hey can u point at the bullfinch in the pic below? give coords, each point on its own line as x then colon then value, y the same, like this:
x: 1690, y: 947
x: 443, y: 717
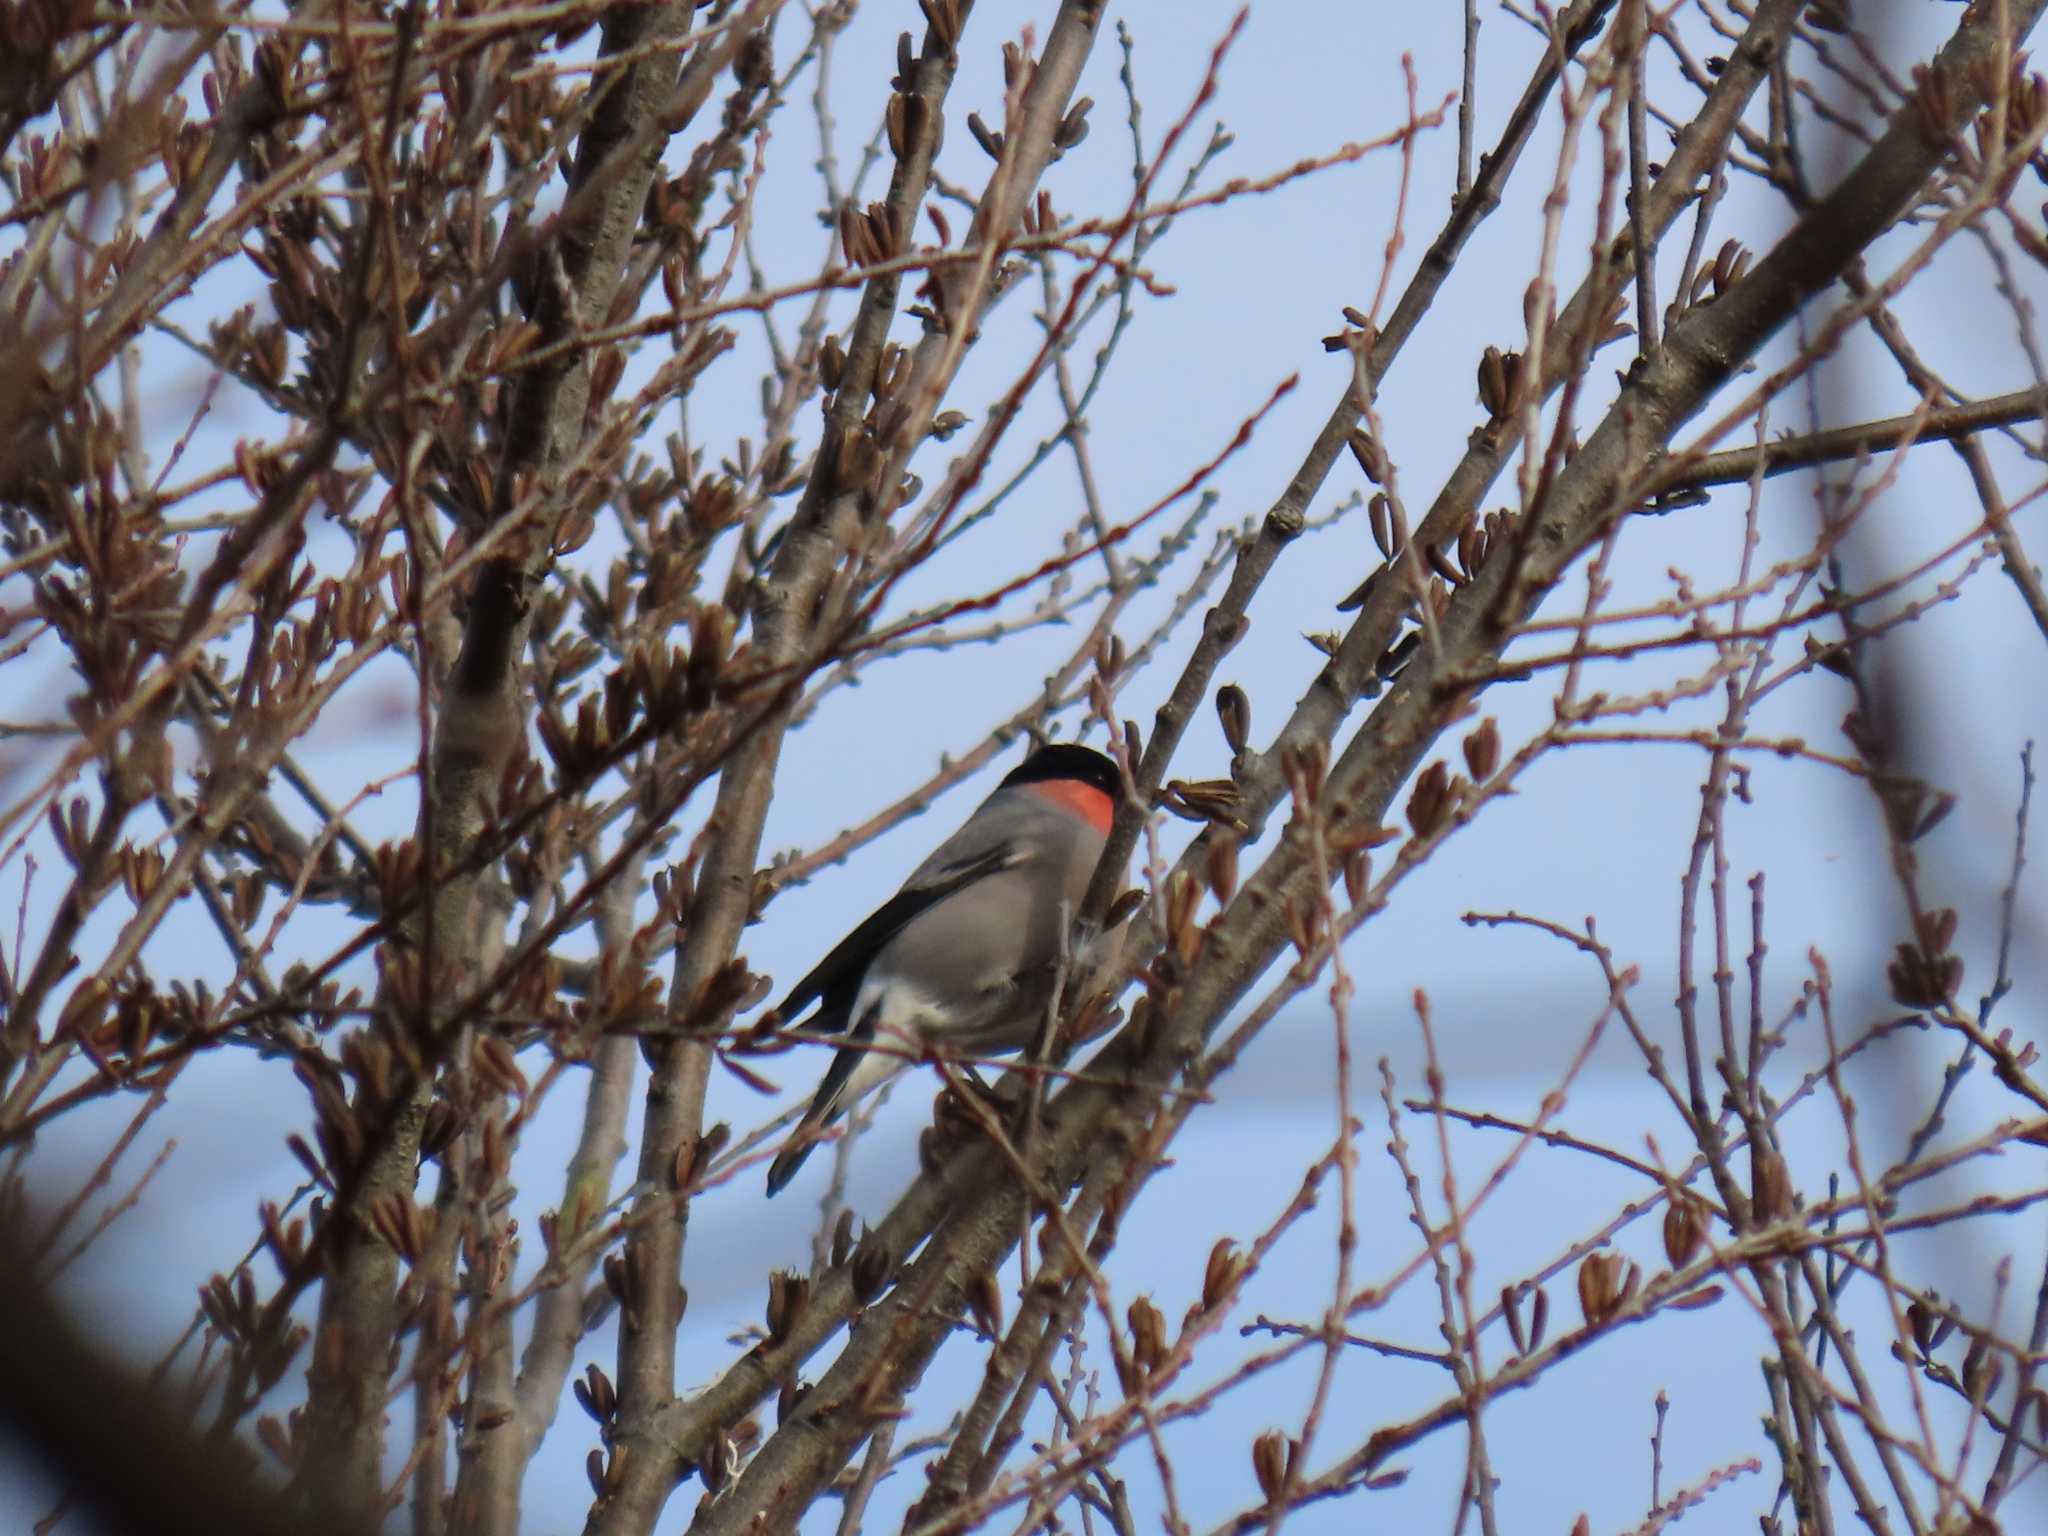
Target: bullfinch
x: 966, y: 954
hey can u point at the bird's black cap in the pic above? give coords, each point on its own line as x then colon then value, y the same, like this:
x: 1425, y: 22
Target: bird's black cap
x: 1066, y: 760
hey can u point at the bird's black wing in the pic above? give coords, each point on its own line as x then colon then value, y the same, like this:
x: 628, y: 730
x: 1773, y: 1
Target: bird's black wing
x: 840, y: 971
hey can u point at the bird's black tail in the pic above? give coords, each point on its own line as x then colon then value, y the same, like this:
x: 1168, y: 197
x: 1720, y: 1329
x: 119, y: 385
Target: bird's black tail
x: 825, y: 1108
x: 826, y: 1104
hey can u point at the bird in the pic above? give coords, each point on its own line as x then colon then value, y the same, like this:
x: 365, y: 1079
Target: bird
x: 967, y: 952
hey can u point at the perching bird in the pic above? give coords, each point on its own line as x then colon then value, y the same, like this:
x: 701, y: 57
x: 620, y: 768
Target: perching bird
x: 966, y: 953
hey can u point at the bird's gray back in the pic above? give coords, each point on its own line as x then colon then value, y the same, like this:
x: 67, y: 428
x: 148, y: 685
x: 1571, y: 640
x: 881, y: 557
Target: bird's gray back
x: 986, y: 956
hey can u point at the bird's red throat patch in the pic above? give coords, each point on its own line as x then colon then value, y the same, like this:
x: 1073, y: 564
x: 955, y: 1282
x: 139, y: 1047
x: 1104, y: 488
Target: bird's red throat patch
x: 1078, y: 799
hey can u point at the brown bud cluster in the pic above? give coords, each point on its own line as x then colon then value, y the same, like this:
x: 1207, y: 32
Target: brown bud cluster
x: 1981, y: 1373
x: 285, y: 1240
x: 721, y: 1462
x: 1148, y: 1342
x: 1717, y: 277
x: 1685, y: 1228
x: 1389, y: 524
x: 873, y: 1268
x: 1221, y: 868
x: 1930, y: 1321
x: 904, y: 120
x: 1479, y: 538
x: 869, y: 238
x: 1358, y: 337
x: 985, y: 1302
x: 1431, y: 801
x: 1770, y: 1185
x: 1371, y: 457
x: 1606, y: 1283
x: 943, y: 18
x: 595, y: 1392
x: 1123, y: 908
x: 831, y: 363
x: 1234, y: 714
x: 789, y: 1398
x: 842, y: 1238
x: 788, y: 1294
x: 1500, y: 383
x: 990, y: 140
x: 1073, y: 128
x: 1527, y: 1336
x: 1211, y: 800
x: 1934, y: 107
x: 1273, y: 1457
x: 1926, y: 973
x: 1222, y: 1274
